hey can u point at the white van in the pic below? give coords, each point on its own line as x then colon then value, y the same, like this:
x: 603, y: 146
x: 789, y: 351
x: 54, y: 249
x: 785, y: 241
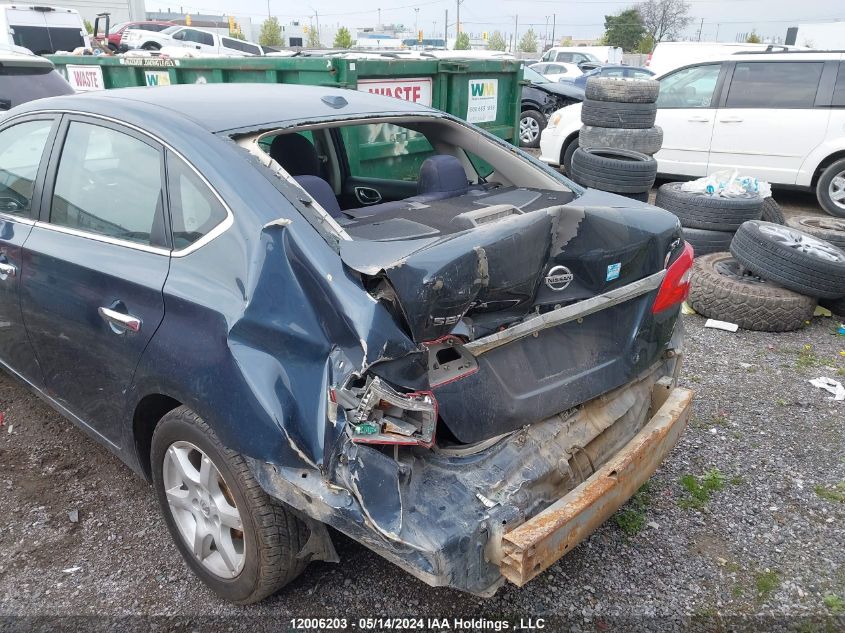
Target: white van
x: 43, y: 30
x: 581, y: 54
x: 671, y: 55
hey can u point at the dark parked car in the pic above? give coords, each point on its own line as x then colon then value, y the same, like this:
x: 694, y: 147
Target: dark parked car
x: 541, y: 97
x: 323, y: 307
x: 25, y: 77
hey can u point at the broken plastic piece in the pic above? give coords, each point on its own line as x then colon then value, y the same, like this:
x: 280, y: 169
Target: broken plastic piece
x: 367, y: 428
x: 822, y: 312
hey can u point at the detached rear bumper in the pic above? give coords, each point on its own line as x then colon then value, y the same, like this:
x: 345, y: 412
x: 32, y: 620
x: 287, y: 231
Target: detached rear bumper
x: 542, y: 540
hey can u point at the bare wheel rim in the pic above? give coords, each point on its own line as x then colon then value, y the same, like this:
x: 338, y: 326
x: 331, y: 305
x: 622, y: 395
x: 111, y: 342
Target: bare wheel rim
x: 836, y: 190
x: 803, y: 243
x: 734, y: 270
x: 203, y: 509
x: 529, y: 129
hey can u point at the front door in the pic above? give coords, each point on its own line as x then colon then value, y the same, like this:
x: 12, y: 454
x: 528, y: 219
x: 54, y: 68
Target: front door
x: 687, y: 112
x: 769, y: 122
x: 94, y: 268
x: 23, y: 146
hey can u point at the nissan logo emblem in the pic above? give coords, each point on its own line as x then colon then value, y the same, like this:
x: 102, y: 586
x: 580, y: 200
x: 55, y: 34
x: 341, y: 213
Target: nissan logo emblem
x: 559, y: 277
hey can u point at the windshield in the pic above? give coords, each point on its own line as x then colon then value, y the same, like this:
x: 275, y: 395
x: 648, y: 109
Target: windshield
x: 534, y: 77
x: 21, y: 84
x: 591, y: 57
x: 170, y: 30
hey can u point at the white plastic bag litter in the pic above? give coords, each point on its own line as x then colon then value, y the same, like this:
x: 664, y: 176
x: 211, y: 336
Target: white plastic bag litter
x: 728, y: 184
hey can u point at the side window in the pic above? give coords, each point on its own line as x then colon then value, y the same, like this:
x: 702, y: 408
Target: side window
x: 613, y: 72
x: 109, y: 183
x: 384, y: 150
x: 689, y: 87
x: 564, y: 57
x: 774, y: 85
x: 194, y: 209
x: 206, y: 38
x: 640, y: 74
x: 21, y: 148
x: 839, y: 90
x: 180, y: 35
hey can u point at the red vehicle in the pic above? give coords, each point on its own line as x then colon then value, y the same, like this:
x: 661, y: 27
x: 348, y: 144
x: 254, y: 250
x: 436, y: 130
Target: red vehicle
x: 148, y: 25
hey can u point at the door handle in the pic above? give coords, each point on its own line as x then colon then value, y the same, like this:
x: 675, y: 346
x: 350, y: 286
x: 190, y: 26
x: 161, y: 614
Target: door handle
x: 730, y: 120
x: 7, y: 270
x: 699, y: 119
x: 367, y: 195
x: 120, y: 322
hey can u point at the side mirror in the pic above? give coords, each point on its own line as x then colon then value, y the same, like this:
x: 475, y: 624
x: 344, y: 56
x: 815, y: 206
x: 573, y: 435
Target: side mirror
x: 5, y: 104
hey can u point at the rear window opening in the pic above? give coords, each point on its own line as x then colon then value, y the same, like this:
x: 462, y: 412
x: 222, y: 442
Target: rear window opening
x: 400, y: 178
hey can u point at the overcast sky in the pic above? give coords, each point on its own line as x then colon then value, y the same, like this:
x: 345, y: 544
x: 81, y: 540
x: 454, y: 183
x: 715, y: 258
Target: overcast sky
x: 577, y: 18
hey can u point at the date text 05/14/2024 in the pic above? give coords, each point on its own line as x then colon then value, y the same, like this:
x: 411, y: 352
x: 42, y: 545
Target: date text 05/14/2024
x: 416, y: 624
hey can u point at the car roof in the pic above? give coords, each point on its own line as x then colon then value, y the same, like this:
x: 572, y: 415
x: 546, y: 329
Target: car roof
x: 792, y: 56
x: 227, y: 108
x: 12, y: 57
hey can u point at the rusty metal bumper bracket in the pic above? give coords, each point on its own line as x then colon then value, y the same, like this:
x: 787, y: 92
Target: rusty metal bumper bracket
x: 538, y: 543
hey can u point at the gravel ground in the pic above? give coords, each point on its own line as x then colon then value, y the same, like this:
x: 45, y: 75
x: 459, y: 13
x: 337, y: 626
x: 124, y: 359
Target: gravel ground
x: 768, y: 543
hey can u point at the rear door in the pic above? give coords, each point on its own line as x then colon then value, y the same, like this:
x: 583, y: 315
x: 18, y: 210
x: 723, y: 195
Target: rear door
x: 95, y: 266
x: 24, y: 147
x: 769, y: 119
x: 686, y: 110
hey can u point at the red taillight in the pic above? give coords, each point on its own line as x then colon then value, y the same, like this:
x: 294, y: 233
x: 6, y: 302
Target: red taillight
x: 648, y: 61
x: 675, y: 286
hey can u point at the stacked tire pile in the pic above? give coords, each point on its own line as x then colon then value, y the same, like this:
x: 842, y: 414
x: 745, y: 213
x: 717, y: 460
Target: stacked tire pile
x: 710, y: 222
x: 772, y: 277
x: 618, y: 138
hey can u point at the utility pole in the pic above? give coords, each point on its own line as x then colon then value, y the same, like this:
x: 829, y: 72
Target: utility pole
x: 458, y: 23
x: 317, y: 16
x: 379, y: 19
x: 554, y: 19
x: 717, y: 32
x: 416, y: 17
x: 700, y: 26
x: 515, y: 32
x: 268, y: 8
x: 446, y: 29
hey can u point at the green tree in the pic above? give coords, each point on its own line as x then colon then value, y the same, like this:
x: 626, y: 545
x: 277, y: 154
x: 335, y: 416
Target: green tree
x: 624, y: 29
x: 343, y: 38
x: 753, y: 38
x: 462, y: 42
x: 271, y: 33
x: 497, y: 42
x: 566, y: 41
x: 528, y: 43
x: 313, y: 39
x: 236, y: 35
x: 89, y: 28
x: 664, y: 19
x: 646, y: 45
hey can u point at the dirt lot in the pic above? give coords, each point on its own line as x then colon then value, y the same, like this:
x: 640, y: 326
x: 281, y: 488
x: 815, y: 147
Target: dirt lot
x: 745, y: 520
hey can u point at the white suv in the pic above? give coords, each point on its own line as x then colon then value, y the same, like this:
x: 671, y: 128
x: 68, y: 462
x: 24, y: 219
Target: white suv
x: 206, y: 42
x: 777, y: 116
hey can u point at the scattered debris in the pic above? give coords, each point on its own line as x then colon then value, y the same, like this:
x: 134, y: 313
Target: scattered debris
x: 822, y: 312
x: 9, y: 431
x: 73, y: 515
x: 721, y: 325
x: 687, y: 309
x: 71, y: 570
x: 829, y: 384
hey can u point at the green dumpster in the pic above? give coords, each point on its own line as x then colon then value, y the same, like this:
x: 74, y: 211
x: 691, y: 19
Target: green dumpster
x: 484, y: 92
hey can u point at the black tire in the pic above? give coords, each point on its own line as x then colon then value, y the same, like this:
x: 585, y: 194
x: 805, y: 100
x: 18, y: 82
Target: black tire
x: 566, y: 161
x: 622, y: 90
x: 705, y: 242
x: 718, y: 290
x: 536, y: 123
x: 836, y: 306
x: 826, y: 183
x: 615, y: 170
x: 771, y: 211
x: 151, y: 46
x: 762, y: 248
x: 272, y: 535
x: 647, y: 141
x: 629, y: 116
x: 700, y: 211
x: 823, y: 227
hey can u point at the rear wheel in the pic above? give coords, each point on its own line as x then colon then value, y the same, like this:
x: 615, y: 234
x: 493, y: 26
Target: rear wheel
x: 531, y: 124
x: 566, y: 161
x: 151, y: 46
x: 830, y: 190
x: 241, y: 542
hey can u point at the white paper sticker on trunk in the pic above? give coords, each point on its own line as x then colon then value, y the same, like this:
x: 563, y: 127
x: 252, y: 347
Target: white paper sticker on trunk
x: 483, y: 100
x: 413, y: 89
x: 85, y: 78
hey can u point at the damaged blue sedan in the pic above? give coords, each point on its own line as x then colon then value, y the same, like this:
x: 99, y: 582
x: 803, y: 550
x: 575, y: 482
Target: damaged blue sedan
x: 293, y: 308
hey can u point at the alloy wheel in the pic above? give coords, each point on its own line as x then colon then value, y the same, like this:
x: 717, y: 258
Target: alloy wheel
x: 836, y: 190
x: 203, y: 509
x: 529, y: 130
x: 804, y: 243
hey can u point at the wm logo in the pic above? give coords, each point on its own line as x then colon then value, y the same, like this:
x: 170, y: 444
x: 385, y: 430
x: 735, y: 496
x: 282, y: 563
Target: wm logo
x: 483, y: 89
